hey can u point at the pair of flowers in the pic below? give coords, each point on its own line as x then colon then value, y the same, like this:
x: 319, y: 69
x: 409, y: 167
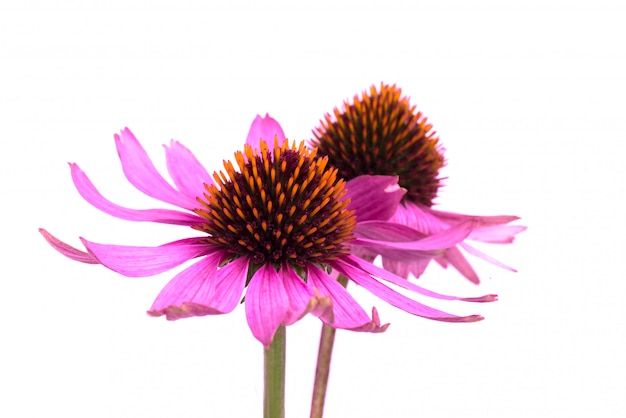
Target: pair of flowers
x: 284, y: 220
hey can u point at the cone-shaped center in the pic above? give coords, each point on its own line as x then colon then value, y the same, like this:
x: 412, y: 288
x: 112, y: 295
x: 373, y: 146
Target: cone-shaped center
x: 381, y: 133
x: 281, y: 206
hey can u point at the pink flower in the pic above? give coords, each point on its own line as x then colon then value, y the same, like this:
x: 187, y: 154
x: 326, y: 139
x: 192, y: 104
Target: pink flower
x: 382, y: 134
x: 275, y: 223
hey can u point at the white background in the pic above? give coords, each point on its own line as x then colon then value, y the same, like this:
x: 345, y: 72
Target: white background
x: 527, y: 97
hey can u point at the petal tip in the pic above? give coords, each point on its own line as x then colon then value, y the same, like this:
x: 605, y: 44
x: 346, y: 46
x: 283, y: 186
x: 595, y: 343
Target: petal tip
x: 185, y: 310
x: 480, y: 299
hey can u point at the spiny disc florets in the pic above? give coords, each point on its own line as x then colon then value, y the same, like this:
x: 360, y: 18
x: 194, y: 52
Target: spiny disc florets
x: 381, y: 133
x: 283, y: 205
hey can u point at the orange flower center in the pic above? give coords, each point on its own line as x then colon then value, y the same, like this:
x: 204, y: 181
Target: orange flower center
x: 282, y: 206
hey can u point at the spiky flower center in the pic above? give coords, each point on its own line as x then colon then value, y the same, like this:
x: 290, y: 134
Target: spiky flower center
x: 381, y: 133
x: 283, y: 205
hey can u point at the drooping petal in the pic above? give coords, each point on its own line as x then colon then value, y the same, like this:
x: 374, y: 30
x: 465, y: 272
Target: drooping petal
x: 454, y: 256
x: 374, y: 197
x: 404, y: 268
x: 89, y: 192
x: 416, y: 216
x: 497, y: 234
x: 188, y: 174
x: 400, y: 281
x: 381, y: 234
x: 142, y: 174
x: 189, y: 292
x: 67, y: 250
x: 387, y: 231
x: 451, y: 217
x: 473, y: 251
x: 490, y: 229
x: 146, y: 261
x: 346, y: 313
x: 396, y: 299
x: 264, y: 128
x: 267, y: 303
x: 231, y: 280
x: 298, y: 294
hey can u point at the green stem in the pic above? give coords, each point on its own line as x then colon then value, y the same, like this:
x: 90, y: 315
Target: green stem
x: 274, y: 362
x: 324, y: 355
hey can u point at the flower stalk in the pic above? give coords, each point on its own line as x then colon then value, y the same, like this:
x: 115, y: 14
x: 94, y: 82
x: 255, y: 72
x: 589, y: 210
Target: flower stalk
x: 274, y: 363
x: 324, y: 355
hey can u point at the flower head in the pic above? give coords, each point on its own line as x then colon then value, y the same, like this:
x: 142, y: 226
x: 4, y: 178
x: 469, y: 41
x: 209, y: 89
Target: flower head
x: 280, y: 206
x: 381, y: 133
x: 276, y: 224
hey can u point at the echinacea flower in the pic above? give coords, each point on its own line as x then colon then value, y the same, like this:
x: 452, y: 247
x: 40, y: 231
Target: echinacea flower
x: 275, y: 223
x: 381, y: 133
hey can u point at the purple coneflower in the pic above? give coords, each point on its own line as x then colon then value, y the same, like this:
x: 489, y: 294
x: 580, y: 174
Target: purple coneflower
x: 381, y: 133
x: 276, y: 223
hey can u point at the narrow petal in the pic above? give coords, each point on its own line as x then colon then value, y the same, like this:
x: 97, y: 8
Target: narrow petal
x: 487, y: 228
x: 497, y: 234
x: 374, y: 197
x: 490, y: 229
x: 451, y: 217
x: 387, y: 231
x: 89, y: 192
x: 379, y: 235
x: 67, y: 250
x: 473, y: 251
x: 298, y: 294
x: 188, y: 174
x: 346, y: 313
x: 231, y: 280
x: 420, y: 218
x: 264, y: 128
x: 142, y: 174
x: 404, y: 268
x: 189, y: 292
x: 267, y: 303
x: 457, y: 259
x: 398, y: 300
x: 383, y: 274
x: 146, y: 261
x: 364, y: 252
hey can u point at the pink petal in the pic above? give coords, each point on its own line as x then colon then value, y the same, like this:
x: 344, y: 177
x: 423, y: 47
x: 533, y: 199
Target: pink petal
x: 188, y: 174
x: 488, y: 228
x: 189, y: 292
x: 451, y: 217
x: 374, y: 197
x: 88, y: 191
x: 387, y: 231
x: 264, y: 128
x: 380, y: 234
x: 416, y: 216
x: 497, y: 234
x: 457, y: 259
x: 396, y: 299
x: 383, y: 274
x: 67, y: 250
x: 346, y: 313
x: 473, y: 251
x: 146, y: 261
x: 375, y: 324
x: 141, y: 173
x: 231, y: 280
x: 298, y: 294
x: 404, y: 268
x: 267, y: 303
